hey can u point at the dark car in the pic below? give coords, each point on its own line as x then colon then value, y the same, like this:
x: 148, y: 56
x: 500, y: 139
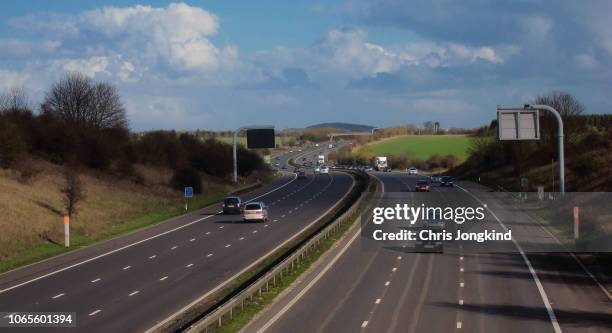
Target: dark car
x: 447, y: 181
x: 301, y: 174
x: 232, y: 205
x: 422, y: 186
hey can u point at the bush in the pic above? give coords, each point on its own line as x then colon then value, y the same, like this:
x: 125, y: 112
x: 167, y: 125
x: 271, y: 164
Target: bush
x: 185, y: 177
x: 12, y: 144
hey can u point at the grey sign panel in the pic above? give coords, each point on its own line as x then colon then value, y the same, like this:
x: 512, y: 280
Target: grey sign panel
x: 518, y: 125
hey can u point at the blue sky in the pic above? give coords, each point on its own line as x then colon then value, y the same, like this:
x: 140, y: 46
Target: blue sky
x: 224, y: 64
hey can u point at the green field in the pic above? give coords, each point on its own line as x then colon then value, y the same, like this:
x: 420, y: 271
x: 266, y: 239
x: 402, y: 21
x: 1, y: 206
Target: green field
x: 423, y: 146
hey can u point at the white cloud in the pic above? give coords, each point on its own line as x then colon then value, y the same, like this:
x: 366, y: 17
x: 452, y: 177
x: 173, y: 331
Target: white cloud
x: 90, y: 66
x: 10, y: 79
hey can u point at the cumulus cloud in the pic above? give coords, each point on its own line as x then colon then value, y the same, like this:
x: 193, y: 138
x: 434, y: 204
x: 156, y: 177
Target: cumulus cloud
x: 173, y: 38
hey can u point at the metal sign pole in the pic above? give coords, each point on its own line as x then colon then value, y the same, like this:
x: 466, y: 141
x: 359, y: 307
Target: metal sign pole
x: 560, y: 143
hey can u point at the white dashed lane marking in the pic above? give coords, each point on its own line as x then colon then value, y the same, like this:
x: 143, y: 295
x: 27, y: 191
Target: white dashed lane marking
x: 228, y: 245
x: 163, y: 278
x: 209, y: 255
x: 208, y: 232
x: 174, y: 247
x: 94, y: 312
x: 95, y: 280
x: 58, y: 296
x: 152, y: 257
x: 241, y: 238
x: 188, y: 266
x: 377, y: 301
x: 191, y: 240
x: 364, y: 324
x: 134, y: 293
x: 126, y: 268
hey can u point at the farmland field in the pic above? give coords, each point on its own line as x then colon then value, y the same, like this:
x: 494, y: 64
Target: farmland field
x: 423, y: 146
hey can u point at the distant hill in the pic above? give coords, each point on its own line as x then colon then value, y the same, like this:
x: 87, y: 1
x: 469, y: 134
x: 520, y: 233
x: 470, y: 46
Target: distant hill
x: 344, y: 127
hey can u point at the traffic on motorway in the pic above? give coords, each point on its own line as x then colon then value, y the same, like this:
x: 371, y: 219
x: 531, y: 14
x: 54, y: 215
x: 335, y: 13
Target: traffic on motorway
x: 310, y: 166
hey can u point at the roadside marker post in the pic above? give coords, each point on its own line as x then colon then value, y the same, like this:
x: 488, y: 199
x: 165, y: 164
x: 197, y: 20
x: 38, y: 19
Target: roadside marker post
x: 576, y: 223
x: 67, y: 231
x: 188, y: 194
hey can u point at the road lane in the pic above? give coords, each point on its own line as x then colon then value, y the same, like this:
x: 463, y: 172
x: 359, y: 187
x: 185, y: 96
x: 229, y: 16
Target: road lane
x: 144, y: 283
x: 454, y: 291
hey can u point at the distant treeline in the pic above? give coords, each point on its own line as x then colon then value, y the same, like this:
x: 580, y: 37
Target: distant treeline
x: 83, y: 123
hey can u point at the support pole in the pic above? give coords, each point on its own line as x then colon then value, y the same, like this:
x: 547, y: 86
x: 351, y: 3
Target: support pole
x: 67, y: 231
x: 559, y: 142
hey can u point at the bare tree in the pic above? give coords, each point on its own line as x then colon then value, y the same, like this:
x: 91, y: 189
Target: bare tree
x: 428, y: 126
x: 72, y: 190
x: 78, y: 100
x: 16, y: 98
x: 107, y: 111
x: 568, y: 106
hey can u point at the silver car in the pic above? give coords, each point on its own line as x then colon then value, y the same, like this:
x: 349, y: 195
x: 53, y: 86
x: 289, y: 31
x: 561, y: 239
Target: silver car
x: 255, y: 211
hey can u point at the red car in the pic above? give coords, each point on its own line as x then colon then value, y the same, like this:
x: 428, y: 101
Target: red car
x: 422, y: 186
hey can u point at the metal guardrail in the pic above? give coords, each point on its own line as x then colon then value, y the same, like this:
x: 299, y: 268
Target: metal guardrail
x: 285, y: 267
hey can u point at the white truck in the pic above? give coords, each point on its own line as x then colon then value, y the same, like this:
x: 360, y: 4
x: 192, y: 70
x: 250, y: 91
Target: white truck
x: 380, y: 163
x: 321, y: 159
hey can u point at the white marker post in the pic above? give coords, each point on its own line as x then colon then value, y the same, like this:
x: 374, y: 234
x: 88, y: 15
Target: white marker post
x: 67, y: 231
x: 576, y: 223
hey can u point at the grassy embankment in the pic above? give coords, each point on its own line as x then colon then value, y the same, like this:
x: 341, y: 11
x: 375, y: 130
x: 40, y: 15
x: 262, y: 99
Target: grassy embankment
x: 422, y: 146
x: 31, y: 212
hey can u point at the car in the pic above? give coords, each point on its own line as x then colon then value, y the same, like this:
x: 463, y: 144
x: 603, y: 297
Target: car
x: 232, y: 205
x: 255, y: 211
x: 413, y: 171
x: 435, y: 178
x: 447, y: 181
x: 433, y: 243
x: 422, y: 186
x: 317, y: 169
x: 324, y: 169
x: 301, y: 174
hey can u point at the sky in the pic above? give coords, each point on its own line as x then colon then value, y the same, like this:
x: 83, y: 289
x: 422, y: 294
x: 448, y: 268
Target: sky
x: 225, y: 64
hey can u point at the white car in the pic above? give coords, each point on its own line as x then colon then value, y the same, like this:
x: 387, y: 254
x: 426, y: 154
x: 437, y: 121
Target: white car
x: 324, y: 169
x: 413, y: 171
x: 255, y: 211
x: 317, y: 169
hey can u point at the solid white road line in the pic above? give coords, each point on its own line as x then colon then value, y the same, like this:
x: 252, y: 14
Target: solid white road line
x: 534, y: 275
x: 95, y: 312
x: 58, y: 296
x: 133, y: 293
x: 95, y: 280
x: 163, y: 278
x: 132, y: 244
x: 310, y: 284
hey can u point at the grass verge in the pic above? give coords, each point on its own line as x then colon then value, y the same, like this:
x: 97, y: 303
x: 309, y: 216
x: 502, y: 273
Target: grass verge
x: 48, y: 250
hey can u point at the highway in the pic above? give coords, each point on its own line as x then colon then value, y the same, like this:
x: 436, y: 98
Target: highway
x: 130, y: 283
x: 364, y: 286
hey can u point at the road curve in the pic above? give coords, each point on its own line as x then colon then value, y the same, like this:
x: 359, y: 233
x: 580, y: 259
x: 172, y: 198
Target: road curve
x: 130, y: 283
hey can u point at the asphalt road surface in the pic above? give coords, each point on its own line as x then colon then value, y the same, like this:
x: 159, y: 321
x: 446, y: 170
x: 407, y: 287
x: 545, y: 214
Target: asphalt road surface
x: 130, y: 283
x: 363, y: 286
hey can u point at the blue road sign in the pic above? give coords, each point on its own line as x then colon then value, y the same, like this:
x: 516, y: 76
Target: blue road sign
x: 189, y: 192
